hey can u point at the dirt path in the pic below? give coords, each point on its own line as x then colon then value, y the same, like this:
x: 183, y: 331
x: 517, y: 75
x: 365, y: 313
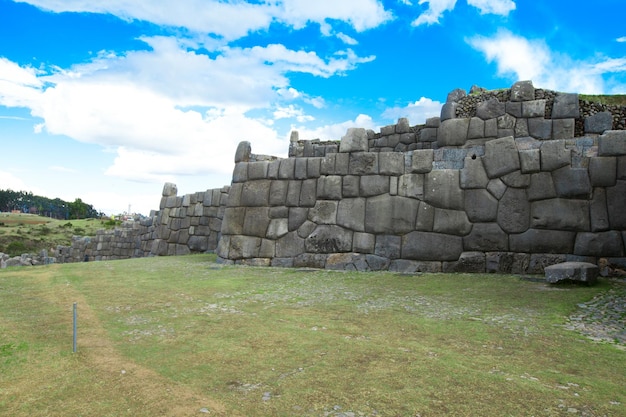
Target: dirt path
x: 160, y: 396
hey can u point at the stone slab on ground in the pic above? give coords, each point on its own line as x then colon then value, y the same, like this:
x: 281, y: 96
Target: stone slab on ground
x: 572, y: 271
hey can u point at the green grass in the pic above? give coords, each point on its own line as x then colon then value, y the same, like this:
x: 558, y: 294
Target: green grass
x: 616, y: 99
x: 172, y: 336
x: 27, y: 233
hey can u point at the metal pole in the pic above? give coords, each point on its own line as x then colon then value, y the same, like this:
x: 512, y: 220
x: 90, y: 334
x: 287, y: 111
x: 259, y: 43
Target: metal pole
x: 74, y: 329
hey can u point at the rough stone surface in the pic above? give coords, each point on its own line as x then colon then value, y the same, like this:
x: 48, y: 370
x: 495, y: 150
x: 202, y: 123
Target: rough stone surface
x: 572, y: 271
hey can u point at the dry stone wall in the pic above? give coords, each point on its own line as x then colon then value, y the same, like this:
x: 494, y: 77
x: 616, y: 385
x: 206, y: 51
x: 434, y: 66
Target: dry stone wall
x: 510, y: 189
x: 184, y: 224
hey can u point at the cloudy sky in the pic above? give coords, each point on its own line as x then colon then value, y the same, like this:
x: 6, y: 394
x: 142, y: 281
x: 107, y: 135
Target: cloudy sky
x: 108, y: 100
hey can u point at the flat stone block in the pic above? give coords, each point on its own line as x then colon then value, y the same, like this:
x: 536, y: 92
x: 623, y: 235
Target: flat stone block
x: 572, y: 271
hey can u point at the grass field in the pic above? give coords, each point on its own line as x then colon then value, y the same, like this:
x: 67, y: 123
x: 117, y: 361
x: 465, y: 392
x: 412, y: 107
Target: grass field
x: 28, y: 233
x: 184, y: 336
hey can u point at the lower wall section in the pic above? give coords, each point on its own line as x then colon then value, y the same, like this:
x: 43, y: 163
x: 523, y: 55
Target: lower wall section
x: 468, y: 262
x: 183, y: 225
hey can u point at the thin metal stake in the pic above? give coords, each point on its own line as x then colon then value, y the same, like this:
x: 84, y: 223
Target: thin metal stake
x: 74, y: 329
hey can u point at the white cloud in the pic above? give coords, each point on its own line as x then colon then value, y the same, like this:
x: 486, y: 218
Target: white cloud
x: 347, y: 39
x: 335, y: 131
x: 9, y: 181
x: 19, y: 86
x: 292, y: 112
x: 523, y: 59
x: 231, y: 19
x: 416, y: 112
x: 436, y: 8
x: 621, y: 39
x: 498, y: 7
x: 170, y: 110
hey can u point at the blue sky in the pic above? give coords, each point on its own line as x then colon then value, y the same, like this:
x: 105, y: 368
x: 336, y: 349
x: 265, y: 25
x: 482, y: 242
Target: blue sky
x: 108, y: 100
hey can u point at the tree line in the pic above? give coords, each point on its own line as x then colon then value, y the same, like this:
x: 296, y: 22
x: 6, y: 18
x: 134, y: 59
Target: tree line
x: 27, y: 202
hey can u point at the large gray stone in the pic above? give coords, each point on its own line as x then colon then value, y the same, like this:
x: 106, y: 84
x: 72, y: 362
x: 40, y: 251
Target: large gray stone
x: 572, y: 271
x: 514, y: 211
x: 497, y: 188
x: 442, y: 189
x: 390, y: 214
x: 598, y: 211
x: 329, y: 187
x: 388, y: 246
x: 534, y: 108
x: 351, y: 214
x: 422, y: 161
x: 350, y: 186
x: 287, y: 168
x: 530, y: 161
x: 480, y: 206
x: 554, y: 155
x: 308, y: 193
x: 232, y: 223
x: 297, y: 217
x: 490, y: 109
x: 294, y: 188
x: 565, y: 106
x: 523, y: 91
x: 448, y: 111
x: 258, y: 170
x: 476, y: 128
x: 425, y: 217
x: 601, y: 245
x: 541, y: 186
x: 244, y: 247
x: 428, y: 134
x: 560, y: 214
x: 616, y: 202
x: 403, y: 125
x: 363, y: 163
x: 486, y: 237
x: 289, y: 246
x: 542, y: 241
x: 411, y: 185
x: 507, y: 262
x: 455, y: 95
x: 453, y: 132
x: 278, y: 192
x: 256, y: 221
x: 501, y: 157
x: 371, y: 185
x: 451, y: 222
x: 469, y: 263
x: 540, y: 128
x: 516, y: 179
x: 599, y: 122
x: 612, y: 143
x: 563, y: 128
x: 603, y: 171
x: 363, y: 242
x: 423, y: 246
x: 391, y: 163
x: 571, y: 182
x: 277, y: 228
x: 355, y: 140
x: 243, y: 152
x: 473, y: 174
x: 324, y: 212
x: 329, y: 239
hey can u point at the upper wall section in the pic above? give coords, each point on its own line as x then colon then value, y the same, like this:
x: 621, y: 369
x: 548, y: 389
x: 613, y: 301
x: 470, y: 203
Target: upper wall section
x: 521, y: 111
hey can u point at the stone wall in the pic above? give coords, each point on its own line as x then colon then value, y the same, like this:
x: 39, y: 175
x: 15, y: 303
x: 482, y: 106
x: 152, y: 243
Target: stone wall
x: 510, y: 189
x: 184, y: 224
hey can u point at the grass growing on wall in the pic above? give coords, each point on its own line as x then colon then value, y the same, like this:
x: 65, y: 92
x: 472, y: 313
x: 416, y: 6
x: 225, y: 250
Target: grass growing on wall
x: 615, y: 100
x: 183, y: 336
